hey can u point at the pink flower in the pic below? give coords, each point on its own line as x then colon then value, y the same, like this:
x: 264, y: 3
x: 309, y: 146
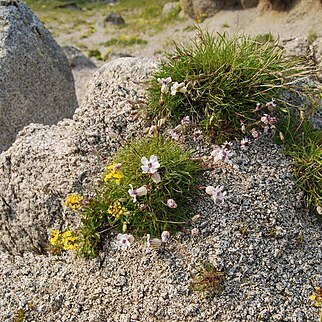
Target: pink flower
x: 171, y: 203
x: 174, y: 135
x: 194, y: 232
x: 123, y: 241
x: 255, y: 134
x: 134, y: 193
x: 217, y: 194
x: 185, y: 120
x: 221, y: 154
x: 150, y: 166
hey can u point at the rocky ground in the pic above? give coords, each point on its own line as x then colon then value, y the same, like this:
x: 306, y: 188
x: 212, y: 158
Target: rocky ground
x: 262, y: 239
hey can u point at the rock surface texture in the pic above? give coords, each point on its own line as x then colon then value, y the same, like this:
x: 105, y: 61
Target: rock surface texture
x: 46, y: 163
x: 36, y: 84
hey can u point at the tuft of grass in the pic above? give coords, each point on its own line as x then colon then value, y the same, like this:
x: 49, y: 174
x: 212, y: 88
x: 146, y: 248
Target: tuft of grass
x: 305, y: 148
x: 225, y: 78
x: 112, y: 207
x: 95, y: 53
x: 264, y: 38
x: 124, y: 41
x: 208, y: 280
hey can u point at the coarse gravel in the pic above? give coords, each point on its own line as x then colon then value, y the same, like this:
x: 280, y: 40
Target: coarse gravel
x: 263, y: 240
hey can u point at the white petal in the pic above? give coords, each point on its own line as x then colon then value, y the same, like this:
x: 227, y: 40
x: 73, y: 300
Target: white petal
x: 142, y: 191
x: 156, y: 177
x: 210, y: 190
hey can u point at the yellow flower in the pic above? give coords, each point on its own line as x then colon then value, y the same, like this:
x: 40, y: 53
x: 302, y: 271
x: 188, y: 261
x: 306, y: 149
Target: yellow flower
x: 54, y: 237
x: 114, y: 173
x: 317, y: 297
x: 69, y: 240
x: 73, y: 201
x: 116, y: 209
x: 63, y: 241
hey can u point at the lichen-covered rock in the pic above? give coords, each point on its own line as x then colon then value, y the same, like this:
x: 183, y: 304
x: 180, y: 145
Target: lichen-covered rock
x: 46, y: 163
x: 36, y: 84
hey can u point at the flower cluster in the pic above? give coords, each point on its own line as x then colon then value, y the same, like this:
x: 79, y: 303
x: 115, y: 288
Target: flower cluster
x: 116, y: 209
x: 114, y: 173
x: 66, y: 240
x: 73, y: 201
x: 217, y: 194
x: 174, y: 89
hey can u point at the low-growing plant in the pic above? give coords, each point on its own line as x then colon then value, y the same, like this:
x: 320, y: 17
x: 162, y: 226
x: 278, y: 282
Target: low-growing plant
x: 95, y: 53
x: 125, y: 41
x: 208, y: 280
x: 145, y: 190
x: 219, y: 81
x: 305, y: 148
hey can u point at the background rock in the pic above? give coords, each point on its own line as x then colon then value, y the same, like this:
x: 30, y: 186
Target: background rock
x: 46, y: 163
x: 249, y: 3
x: 77, y: 58
x: 200, y: 9
x: 36, y: 84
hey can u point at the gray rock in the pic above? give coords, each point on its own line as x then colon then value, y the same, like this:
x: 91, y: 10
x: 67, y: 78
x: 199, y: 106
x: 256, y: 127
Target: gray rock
x: 200, y: 9
x: 46, y: 163
x: 76, y: 58
x: 114, y: 18
x: 36, y: 84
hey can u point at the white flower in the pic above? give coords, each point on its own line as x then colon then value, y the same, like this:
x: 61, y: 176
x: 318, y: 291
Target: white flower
x: 244, y: 144
x: 165, y: 84
x: 171, y: 203
x: 165, y: 236
x: 134, y: 193
x: 123, y: 241
x: 178, y: 88
x: 217, y: 194
x: 221, y: 154
x: 185, y: 120
x: 150, y: 166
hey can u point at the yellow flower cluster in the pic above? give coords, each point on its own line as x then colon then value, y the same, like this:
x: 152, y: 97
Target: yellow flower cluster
x: 317, y: 297
x: 116, y: 209
x: 63, y: 241
x: 73, y: 201
x: 114, y: 173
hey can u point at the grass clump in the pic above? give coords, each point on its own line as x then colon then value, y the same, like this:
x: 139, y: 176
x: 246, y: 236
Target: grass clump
x: 305, y: 148
x: 208, y: 280
x: 125, y: 41
x: 222, y: 80
x: 138, y: 201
